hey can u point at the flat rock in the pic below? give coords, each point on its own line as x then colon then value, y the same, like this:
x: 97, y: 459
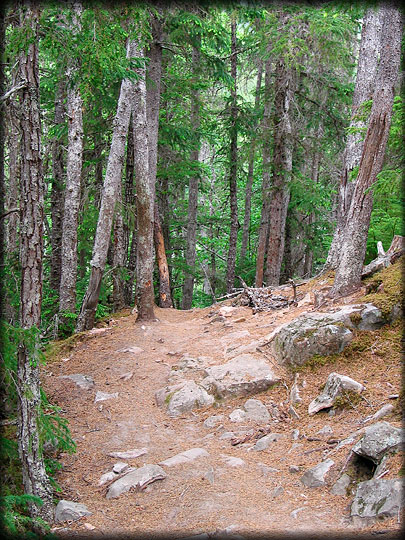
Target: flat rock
x: 256, y: 411
x: 137, y: 479
x: 132, y: 350
x: 238, y: 415
x: 378, y: 439
x: 334, y: 386
x: 185, y: 457
x: 233, y: 351
x: 120, y: 467
x: 264, y: 442
x: 129, y: 454
x: 341, y: 485
x: 107, y: 477
x: 243, y: 375
x: 213, y: 421
x: 233, y: 461
x: 378, y: 498
x: 70, y: 511
x: 384, y: 411
x: 103, y: 396
x: 227, y: 311
x: 317, y: 333
x: 315, y: 477
x: 190, y: 396
x: 85, y: 382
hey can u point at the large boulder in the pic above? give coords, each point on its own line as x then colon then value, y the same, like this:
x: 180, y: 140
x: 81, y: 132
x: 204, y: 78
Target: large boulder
x: 378, y: 498
x: 137, y: 479
x: 310, y: 334
x: 334, y: 386
x: 378, y: 439
x: 241, y: 376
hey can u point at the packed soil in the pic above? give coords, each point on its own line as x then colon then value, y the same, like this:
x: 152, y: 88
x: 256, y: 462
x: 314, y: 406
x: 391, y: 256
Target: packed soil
x: 260, y: 497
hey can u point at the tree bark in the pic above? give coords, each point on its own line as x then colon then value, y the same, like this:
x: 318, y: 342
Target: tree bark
x: 118, y: 256
x: 233, y: 165
x: 2, y: 178
x: 192, y: 190
x: 249, y: 182
x: 110, y: 189
x: 57, y: 192
x: 364, y: 87
x: 264, y: 219
x: 35, y: 479
x: 281, y: 169
x: 67, y: 291
x: 348, y: 272
x: 144, y: 203
x: 154, y: 76
x: 130, y: 218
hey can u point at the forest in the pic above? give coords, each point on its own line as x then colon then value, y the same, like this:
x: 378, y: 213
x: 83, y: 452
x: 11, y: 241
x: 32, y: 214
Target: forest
x: 171, y: 154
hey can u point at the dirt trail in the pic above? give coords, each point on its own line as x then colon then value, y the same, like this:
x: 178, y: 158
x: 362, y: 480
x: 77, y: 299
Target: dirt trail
x: 208, y: 494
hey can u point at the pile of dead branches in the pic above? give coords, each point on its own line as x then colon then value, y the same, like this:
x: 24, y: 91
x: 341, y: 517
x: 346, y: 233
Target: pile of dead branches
x: 262, y: 298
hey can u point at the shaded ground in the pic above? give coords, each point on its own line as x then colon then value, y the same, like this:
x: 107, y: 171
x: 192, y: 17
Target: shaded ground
x: 208, y: 494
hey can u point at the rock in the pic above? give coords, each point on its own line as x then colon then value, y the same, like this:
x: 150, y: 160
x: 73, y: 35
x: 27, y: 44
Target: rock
x: 266, y: 470
x: 189, y: 397
x: 306, y: 300
x: 240, y: 376
x: 326, y: 430
x: 85, y: 382
x: 187, y: 362
x: 70, y: 511
x: 294, y: 392
x: 378, y: 498
x: 294, y: 513
x: 232, y: 336
x: 293, y: 469
x: 103, y: 396
x: 315, y: 477
x: 133, y: 350
x: 240, y: 319
x: 127, y: 376
x: 277, y: 491
x: 107, y: 477
x: 162, y: 394
x: 295, y: 434
x: 129, y: 454
x: 185, y: 457
x: 316, y: 333
x: 233, y: 461
x: 256, y: 411
x: 377, y: 440
x: 341, y: 485
x: 292, y: 412
x: 137, y: 479
x: 213, y: 421
x: 333, y: 388
x: 238, y: 415
x: 227, y: 311
x: 227, y: 435
x: 385, y: 409
x: 264, y: 442
x: 210, y: 476
x: 233, y: 351
x: 120, y: 467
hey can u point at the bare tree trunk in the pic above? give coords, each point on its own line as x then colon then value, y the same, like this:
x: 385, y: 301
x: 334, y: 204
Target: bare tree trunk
x: 119, y: 256
x: 130, y: 218
x: 282, y: 167
x: 348, y: 272
x: 111, y: 186
x: 2, y: 177
x: 233, y: 233
x: 144, y: 203
x: 67, y: 291
x: 365, y: 82
x: 57, y: 192
x: 153, y: 105
x: 35, y: 479
x: 192, y: 193
x: 264, y: 220
x: 249, y: 182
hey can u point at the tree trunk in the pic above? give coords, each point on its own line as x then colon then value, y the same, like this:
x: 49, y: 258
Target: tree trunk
x: 98, y: 169
x: 35, y: 479
x: 119, y: 256
x: 364, y: 87
x: 2, y: 178
x: 233, y: 166
x: 131, y: 269
x: 57, y: 192
x: 67, y: 291
x: 130, y: 218
x: 144, y: 203
x: 266, y: 133
x: 282, y: 167
x: 192, y: 191
x: 348, y: 272
x: 110, y: 189
x: 249, y: 182
x: 154, y: 76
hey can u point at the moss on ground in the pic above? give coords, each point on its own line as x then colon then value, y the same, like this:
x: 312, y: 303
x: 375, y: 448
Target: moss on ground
x: 55, y: 349
x: 386, y: 288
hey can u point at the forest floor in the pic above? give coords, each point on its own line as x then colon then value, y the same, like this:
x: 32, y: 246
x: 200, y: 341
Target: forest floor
x: 208, y: 494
